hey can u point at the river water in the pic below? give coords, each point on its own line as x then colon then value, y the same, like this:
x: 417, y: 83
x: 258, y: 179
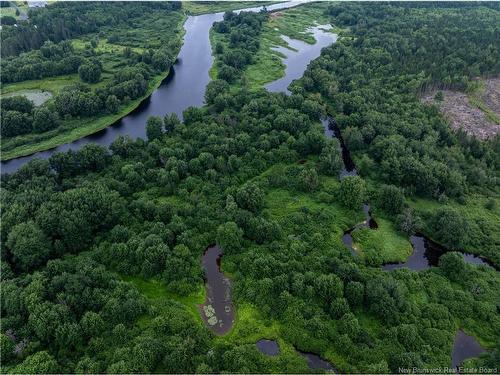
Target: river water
x: 217, y: 311
x: 426, y: 254
x: 299, y: 55
x: 464, y: 347
x: 184, y: 87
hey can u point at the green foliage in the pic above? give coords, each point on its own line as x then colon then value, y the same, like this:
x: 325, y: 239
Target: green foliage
x: 29, y: 246
x: 330, y: 159
x: 154, y: 128
x: 391, y: 199
x: 354, y: 293
x: 250, y: 197
x: 38, y: 363
x: 44, y: 119
x: 308, y: 179
x: 90, y: 72
x: 453, y: 266
x: 450, y: 227
x: 352, y: 191
x: 230, y: 237
x: 409, y: 222
x: 241, y: 41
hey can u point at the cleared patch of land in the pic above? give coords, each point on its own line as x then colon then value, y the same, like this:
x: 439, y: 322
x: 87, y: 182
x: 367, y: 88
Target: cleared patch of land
x: 476, y: 112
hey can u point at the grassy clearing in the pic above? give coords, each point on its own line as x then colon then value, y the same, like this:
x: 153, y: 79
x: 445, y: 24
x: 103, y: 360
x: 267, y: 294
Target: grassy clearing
x: 283, y: 203
x: 8, y: 12
x: 158, y: 295
x: 51, y: 84
x: 385, y: 242
x: 250, y: 327
x: 475, y: 209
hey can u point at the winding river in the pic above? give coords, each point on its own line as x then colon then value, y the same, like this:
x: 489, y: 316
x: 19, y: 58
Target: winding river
x: 426, y: 254
x: 184, y: 87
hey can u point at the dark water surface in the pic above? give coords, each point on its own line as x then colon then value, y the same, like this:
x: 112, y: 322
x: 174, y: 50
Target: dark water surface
x: 333, y: 131
x: 268, y: 347
x: 464, y: 347
x: 184, y: 87
x: 217, y: 311
x: 314, y: 361
x: 426, y: 254
x: 296, y: 61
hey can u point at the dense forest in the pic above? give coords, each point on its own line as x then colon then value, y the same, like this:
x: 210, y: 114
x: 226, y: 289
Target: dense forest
x: 101, y: 248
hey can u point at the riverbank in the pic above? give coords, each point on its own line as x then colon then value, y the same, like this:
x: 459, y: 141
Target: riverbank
x: 112, y: 59
x: 87, y: 126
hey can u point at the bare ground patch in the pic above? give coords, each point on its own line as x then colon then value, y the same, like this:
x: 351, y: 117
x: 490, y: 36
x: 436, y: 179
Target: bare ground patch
x: 491, y: 95
x: 464, y: 114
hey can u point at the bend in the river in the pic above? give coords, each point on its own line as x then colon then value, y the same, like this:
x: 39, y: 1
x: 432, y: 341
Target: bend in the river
x: 184, y: 87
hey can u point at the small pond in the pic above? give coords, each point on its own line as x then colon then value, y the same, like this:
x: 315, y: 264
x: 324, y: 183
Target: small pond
x: 464, y: 347
x: 38, y: 97
x: 426, y: 254
x: 268, y: 347
x: 217, y: 311
x: 299, y: 55
x: 314, y: 361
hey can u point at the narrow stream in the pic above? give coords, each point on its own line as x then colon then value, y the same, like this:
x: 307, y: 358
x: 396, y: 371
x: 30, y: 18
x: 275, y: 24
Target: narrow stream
x: 314, y: 361
x: 426, y: 254
x: 332, y: 131
x: 217, y: 311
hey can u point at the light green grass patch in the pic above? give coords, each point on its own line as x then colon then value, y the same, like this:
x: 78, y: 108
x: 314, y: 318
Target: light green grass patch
x: 156, y: 292
x: 385, y: 241
x: 8, y: 12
